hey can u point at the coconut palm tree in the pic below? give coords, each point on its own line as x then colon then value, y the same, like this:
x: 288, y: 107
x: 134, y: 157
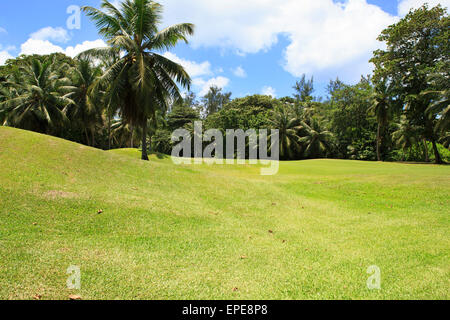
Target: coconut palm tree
x: 441, y: 107
x: 6, y: 93
x: 381, y: 109
x: 86, y: 107
x: 288, y: 124
x: 39, y: 102
x: 123, y: 134
x: 315, y: 140
x: 142, y: 80
x: 406, y: 135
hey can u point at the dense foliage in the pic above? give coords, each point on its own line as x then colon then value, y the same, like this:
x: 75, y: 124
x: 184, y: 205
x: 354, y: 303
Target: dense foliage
x: 126, y: 95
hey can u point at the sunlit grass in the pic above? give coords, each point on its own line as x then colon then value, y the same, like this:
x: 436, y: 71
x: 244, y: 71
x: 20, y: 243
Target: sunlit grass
x: 200, y: 232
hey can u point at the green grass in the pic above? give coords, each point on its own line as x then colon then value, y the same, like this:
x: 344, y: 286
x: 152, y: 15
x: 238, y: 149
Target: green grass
x: 180, y: 232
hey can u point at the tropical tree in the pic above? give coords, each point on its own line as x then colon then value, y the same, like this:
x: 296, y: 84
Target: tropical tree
x: 415, y: 47
x: 406, y: 135
x: 86, y: 111
x: 123, y: 134
x: 142, y: 80
x: 304, y: 89
x: 39, y: 102
x: 381, y: 108
x: 441, y: 107
x: 315, y: 140
x: 214, y: 100
x: 284, y: 119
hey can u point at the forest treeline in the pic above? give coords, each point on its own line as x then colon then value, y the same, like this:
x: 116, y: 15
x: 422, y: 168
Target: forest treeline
x: 126, y: 95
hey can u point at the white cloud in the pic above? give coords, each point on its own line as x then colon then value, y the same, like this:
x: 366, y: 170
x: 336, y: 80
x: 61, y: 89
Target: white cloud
x: 199, y: 71
x: 269, y: 91
x: 405, y: 5
x: 3, y: 30
x: 193, y: 68
x: 34, y: 46
x: 86, y: 45
x: 239, y: 72
x: 203, y: 86
x: 4, y: 55
x: 323, y: 34
x: 53, y: 34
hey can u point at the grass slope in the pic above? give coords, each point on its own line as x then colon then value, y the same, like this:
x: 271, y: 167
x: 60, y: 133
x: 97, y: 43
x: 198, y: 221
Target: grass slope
x: 181, y: 232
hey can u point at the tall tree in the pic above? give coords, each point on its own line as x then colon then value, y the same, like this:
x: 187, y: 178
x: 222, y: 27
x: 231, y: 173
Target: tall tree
x: 142, y: 80
x: 316, y: 140
x: 285, y: 120
x: 304, y: 89
x: 86, y: 111
x: 416, y: 45
x: 382, y: 110
x: 39, y: 101
x: 406, y: 135
x: 215, y: 99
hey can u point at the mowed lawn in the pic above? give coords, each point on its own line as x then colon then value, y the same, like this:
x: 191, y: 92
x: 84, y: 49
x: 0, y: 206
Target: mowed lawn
x: 216, y: 232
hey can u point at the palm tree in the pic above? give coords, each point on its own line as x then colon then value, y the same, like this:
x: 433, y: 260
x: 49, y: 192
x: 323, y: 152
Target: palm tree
x: 86, y: 107
x: 288, y: 124
x: 123, y: 134
x: 141, y: 80
x: 315, y: 140
x: 441, y: 107
x: 39, y: 102
x: 406, y: 135
x: 381, y: 109
x: 154, y: 124
x: 6, y: 93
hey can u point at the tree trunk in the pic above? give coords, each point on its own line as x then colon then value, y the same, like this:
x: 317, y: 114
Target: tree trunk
x: 425, y: 150
x: 144, y: 141
x: 378, y: 142
x: 93, y: 137
x: 150, y: 143
x: 437, y: 156
x: 87, y: 137
x: 109, y: 131
x: 132, y: 137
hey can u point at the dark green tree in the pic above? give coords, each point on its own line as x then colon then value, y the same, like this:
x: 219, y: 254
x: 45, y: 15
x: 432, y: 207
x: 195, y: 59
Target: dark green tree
x: 214, y: 100
x: 142, y: 80
x: 416, y: 45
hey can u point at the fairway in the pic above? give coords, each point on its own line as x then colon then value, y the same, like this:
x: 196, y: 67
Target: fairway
x: 216, y: 232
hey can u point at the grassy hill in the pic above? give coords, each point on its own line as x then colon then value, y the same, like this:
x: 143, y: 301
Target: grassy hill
x: 181, y: 232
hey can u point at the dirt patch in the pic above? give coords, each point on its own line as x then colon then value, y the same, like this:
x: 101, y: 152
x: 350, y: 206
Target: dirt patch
x: 54, y: 194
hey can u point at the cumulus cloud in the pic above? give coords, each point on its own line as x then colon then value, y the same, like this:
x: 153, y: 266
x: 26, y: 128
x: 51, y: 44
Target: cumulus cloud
x: 4, y: 55
x: 322, y: 34
x: 86, y: 45
x: 203, y: 86
x: 269, y: 91
x: 193, y: 68
x: 240, y: 72
x: 35, y: 46
x: 52, y: 34
x: 405, y: 5
x: 200, y: 72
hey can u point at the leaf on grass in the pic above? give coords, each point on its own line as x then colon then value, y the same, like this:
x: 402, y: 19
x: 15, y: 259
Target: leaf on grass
x: 74, y: 297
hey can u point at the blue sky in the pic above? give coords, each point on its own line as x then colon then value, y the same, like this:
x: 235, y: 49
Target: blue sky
x: 246, y: 47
